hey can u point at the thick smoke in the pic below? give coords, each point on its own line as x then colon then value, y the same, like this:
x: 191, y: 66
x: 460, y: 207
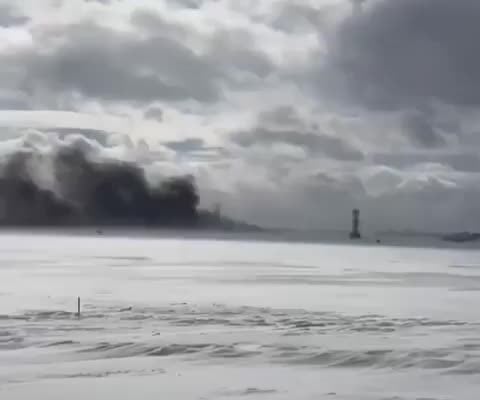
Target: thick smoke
x: 71, y: 184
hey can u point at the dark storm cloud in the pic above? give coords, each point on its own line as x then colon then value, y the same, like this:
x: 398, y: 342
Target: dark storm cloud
x: 404, y: 52
x: 84, y: 189
x: 284, y: 125
x: 10, y: 16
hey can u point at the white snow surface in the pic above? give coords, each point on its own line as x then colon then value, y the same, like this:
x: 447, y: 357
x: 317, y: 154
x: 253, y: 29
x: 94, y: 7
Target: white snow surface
x: 211, y: 319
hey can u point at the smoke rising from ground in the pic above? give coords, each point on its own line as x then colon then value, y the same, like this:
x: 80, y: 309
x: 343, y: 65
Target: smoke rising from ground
x: 72, y: 182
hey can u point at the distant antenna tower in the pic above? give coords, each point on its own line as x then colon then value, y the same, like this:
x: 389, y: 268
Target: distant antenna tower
x: 355, y: 233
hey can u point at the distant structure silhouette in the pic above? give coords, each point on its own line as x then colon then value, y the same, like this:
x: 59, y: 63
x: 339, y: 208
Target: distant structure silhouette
x: 355, y: 233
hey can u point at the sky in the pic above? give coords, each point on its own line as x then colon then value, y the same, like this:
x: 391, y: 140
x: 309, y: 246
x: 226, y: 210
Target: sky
x: 289, y: 113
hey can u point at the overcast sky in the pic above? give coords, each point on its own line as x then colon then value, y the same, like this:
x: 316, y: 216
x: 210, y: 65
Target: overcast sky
x: 289, y: 112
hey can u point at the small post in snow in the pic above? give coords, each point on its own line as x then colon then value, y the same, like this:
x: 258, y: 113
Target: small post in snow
x: 78, y: 307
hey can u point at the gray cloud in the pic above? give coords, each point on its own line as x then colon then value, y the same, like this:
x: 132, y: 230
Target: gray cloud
x: 11, y: 16
x: 236, y: 49
x: 421, y: 131
x: 324, y: 200
x: 109, y: 65
x: 231, y: 50
x: 297, y: 17
x: 302, y: 204
x: 186, y: 3
x: 398, y: 53
x: 186, y: 145
x: 461, y: 161
x: 155, y: 113
x: 195, y: 149
x: 98, y: 135
x: 149, y: 21
x: 284, y: 125
x: 13, y: 100
x: 313, y: 143
x: 281, y: 116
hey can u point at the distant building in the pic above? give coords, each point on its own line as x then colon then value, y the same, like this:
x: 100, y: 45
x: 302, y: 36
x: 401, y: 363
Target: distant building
x: 355, y: 233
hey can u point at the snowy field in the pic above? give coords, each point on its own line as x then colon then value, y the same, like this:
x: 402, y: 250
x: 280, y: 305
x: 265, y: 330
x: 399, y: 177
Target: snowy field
x: 192, y: 319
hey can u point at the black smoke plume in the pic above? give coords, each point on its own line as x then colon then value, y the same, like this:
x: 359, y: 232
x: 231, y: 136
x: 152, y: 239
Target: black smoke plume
x: 69, y: 186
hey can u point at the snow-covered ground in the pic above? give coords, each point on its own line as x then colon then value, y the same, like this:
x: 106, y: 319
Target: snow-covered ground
x: 211, y: 319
